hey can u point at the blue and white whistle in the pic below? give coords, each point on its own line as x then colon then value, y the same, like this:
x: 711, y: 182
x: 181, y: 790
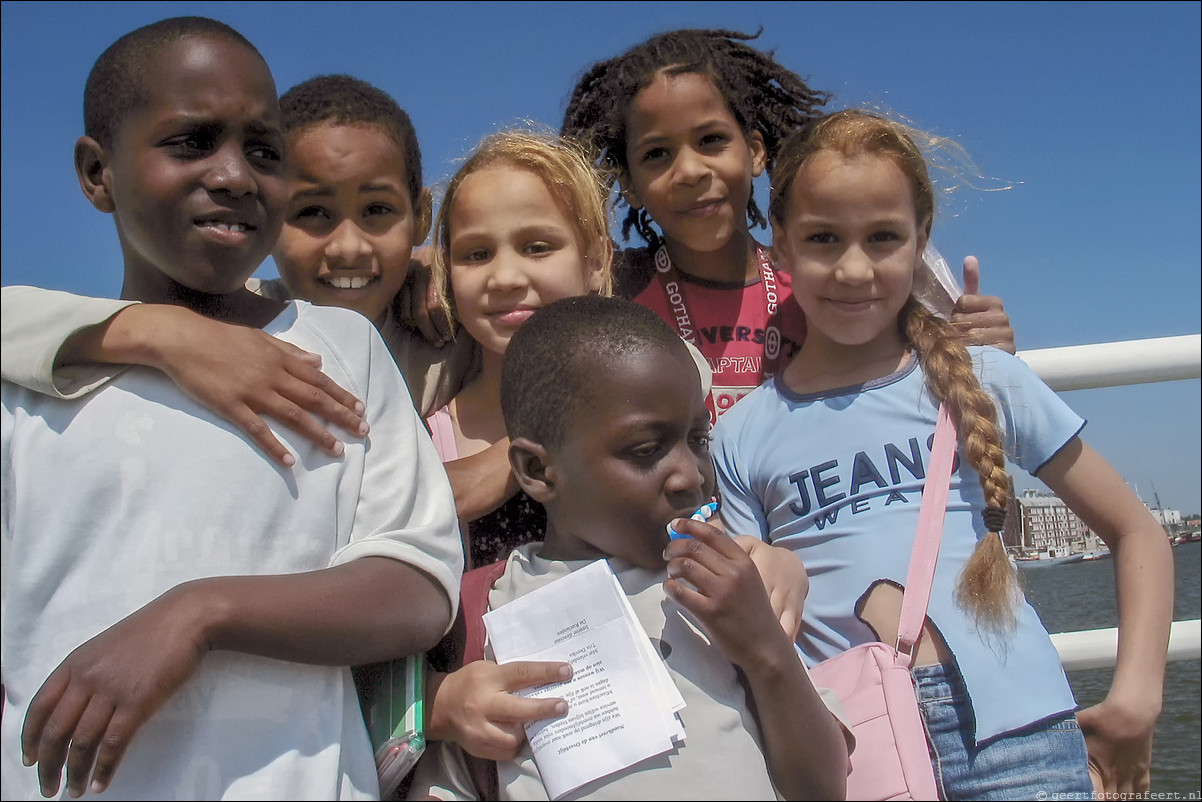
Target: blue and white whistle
x: 704, y: 513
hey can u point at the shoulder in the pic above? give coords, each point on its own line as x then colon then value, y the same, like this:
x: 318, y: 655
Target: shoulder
x: 332, y: 318
x: 757, y: 408
x: 633, y: 270
x: 996, y: 367
x: 343, y: 337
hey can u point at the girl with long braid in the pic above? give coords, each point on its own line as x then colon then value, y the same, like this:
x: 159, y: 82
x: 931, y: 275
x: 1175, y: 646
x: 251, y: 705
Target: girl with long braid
x: 683, y: 123
x: 828, y: 459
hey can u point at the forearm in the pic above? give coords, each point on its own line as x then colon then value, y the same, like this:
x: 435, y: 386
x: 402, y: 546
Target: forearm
x: 117, y: 341
x: 803, y: 742
x: 1144, y: 587
x: 481, y: 482
x: 364, y: 611
x: 38, y: 326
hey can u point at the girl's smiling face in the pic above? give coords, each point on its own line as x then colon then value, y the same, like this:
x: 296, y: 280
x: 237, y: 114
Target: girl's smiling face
x: 690, y: 164
x: 512, y: 250
x: 851, y: 241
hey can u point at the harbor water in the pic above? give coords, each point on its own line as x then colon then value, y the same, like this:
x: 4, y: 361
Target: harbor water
x: 1077, y: 596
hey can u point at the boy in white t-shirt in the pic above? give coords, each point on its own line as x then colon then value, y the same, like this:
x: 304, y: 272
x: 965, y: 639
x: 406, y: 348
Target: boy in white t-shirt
x: 180, y: 614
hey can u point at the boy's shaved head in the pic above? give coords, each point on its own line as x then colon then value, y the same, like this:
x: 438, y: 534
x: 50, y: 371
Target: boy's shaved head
x: 116, y: 85
x: 551, y: 363
x: 345, y: 100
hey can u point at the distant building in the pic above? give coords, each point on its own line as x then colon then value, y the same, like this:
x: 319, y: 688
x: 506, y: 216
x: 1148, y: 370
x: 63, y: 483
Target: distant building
x: 1166, y: 517
x: 1043, y: 524
x: 1048, y: 526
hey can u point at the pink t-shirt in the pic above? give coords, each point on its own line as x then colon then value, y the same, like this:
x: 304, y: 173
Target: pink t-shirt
x: 746, y: 332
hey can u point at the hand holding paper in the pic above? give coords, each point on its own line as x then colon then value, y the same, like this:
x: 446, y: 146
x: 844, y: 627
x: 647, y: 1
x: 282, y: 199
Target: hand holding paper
x: 621, y: 700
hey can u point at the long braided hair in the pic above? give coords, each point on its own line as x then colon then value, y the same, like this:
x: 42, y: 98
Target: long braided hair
x: 761, y: 95
x: 988, y: 585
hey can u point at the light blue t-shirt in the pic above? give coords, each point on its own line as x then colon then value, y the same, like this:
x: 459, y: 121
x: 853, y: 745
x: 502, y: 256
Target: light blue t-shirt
x: 838, y: 477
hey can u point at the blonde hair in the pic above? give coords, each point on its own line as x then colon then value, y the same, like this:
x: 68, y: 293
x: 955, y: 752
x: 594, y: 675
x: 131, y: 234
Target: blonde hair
x: 988, y: 584
x: 564, y: 168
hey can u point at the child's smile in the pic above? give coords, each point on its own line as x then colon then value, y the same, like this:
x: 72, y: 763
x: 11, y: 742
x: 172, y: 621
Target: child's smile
x: 351, y: 225
x: 691, y: 166
x: 512, y: 251
x: 851, y: 243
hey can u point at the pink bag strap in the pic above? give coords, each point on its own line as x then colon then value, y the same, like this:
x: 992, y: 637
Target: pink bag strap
x: 921, y: 573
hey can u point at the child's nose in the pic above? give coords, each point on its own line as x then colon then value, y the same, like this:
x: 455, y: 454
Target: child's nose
x: 854, y: 267
x: 231, y: 172
x: 347, y: 245
x: 687, y: 471
x: 689, y: 167
x: 508, y: 270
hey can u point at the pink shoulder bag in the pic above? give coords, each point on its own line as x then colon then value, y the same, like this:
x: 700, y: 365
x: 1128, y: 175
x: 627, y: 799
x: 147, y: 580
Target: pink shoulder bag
x: 873, y: 680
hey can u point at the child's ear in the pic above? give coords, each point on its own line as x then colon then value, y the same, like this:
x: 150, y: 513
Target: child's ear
x: 923, y: 238
x: 530, y: 465
x: 759, y: 153
x: 598, y: 265
x: 422, y: 216
x: 91, y: 168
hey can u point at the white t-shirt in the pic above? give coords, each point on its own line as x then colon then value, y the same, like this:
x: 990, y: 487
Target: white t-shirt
x: 721, y: 757
x: 111, y: 500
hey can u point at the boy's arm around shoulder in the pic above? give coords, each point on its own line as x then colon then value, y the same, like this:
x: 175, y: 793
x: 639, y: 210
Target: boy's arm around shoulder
x: 1119, y: 730
x: 66, y: 346
x: 804, y: 743
x: 36, y: 324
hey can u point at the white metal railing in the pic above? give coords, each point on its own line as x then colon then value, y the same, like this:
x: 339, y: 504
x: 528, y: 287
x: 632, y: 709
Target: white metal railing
x: 1081, y: 367
x: 1098, y: 648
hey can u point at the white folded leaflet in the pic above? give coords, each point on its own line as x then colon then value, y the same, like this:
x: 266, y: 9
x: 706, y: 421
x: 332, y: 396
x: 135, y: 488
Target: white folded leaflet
x: 622, y: 703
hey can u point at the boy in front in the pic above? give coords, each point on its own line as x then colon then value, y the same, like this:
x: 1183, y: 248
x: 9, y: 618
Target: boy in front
x: 610, y: 432
x: 180, y: 614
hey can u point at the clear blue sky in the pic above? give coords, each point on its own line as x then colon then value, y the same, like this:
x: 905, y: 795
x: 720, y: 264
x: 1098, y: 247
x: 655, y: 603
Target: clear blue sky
x: 1090, y: 111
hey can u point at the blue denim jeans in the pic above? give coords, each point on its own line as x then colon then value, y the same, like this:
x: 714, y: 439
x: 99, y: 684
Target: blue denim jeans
x: 1047, y: 757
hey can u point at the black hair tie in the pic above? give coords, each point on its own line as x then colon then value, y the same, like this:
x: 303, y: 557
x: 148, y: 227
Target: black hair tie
x: 995, y: 518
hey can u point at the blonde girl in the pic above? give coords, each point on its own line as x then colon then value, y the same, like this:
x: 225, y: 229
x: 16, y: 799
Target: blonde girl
x: 829, y: 457
x: 522, y: 223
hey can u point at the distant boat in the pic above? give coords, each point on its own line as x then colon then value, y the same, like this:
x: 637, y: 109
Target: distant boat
x: 1103, y: 554
x: 1043, y: 562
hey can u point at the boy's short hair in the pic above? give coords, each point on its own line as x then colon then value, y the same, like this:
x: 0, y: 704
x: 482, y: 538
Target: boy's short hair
x: 115, y: 86
x: 551, y: 362
x: 346, y: 100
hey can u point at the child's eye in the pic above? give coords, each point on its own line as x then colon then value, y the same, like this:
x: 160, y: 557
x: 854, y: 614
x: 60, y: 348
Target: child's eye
x: 474, y: 255
x: 264, y: 153
x: 883, y: 236
x: 539, y: 248
x: 654, y: 154
x: 376, y: 209
x: 311, y: 213
x: 191, y: 144
x: 822, y: 238
x: 645, y: 451
x: 713, y: 139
